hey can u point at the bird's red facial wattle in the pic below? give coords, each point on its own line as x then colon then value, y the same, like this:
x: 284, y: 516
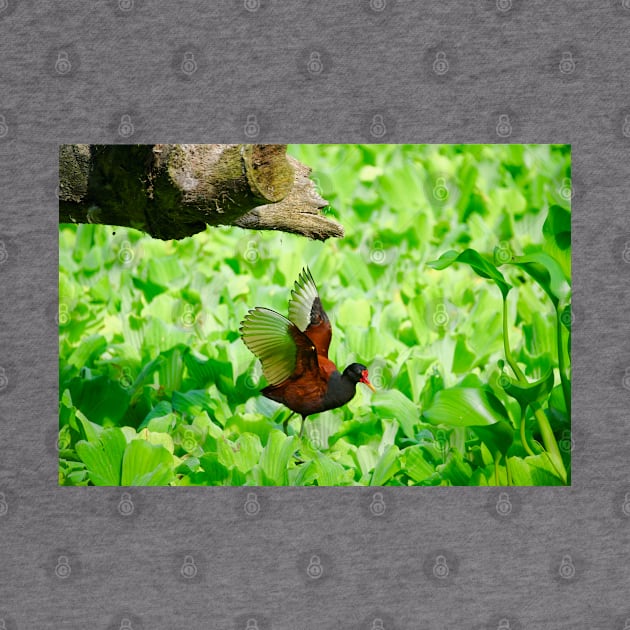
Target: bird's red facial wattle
x: 364, y: 379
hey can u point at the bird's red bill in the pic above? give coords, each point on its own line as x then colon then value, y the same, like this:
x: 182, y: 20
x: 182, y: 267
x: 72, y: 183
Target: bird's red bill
x: 365, y: 380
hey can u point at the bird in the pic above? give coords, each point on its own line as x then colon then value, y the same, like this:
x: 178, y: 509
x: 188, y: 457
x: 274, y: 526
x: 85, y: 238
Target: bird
x: 293, y: 352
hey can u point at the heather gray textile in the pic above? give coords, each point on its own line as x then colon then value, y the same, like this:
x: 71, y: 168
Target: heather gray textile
x: 301, y: 71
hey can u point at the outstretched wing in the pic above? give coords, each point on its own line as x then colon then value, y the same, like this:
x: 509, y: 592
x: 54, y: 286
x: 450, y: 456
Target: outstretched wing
x: 307, y: 313
x: 282, y: 348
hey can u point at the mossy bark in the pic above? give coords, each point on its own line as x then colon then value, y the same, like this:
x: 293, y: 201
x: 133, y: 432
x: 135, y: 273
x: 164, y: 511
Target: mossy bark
x: 174, y: 191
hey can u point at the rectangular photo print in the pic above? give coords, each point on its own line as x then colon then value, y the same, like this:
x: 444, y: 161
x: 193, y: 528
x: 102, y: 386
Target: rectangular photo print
x: 314, y: 315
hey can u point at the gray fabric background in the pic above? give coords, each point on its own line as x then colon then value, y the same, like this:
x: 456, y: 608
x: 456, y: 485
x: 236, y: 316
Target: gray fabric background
x: 125, y: 554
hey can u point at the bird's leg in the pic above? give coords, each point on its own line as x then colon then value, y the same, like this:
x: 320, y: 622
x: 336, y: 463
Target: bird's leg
x: 285, y: 423
x: 302, y: 427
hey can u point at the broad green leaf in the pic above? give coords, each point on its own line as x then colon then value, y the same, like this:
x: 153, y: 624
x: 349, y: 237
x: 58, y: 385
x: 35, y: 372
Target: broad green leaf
x: 386, y: 467
x: 328, y: 472
x: 456, y: 471
x: 366, y: 458
x: 547, y: 273
x: 465, y: 407
x: 275, y: 458
x: 535, y: 391
x: 535, y: 470
x: 393, y: 404
x: 145, y: 464
x: 477, y: 262
x: 414, y: 464
x: 497, y: 437
x: 90, y: 347
x: 103, y: 458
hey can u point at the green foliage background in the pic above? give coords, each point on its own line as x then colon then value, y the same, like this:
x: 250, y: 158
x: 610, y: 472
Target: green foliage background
x: 157, y: 388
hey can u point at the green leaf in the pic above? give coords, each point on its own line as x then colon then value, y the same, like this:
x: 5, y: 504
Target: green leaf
x: 466, y: 407
x: 557, y: 232
x: 456, y: 471
x: 386, y: 467
x: 146, y: 464
x: 480, y: 265
x: 275, y: 458
x: 536, y: 391
x: 535, y: 470
x: 328, y: 472
x: 547, y: 273
x: 497, y: 437
x: 414, y: 464
x: 393, y: 404
x: 103, y: 458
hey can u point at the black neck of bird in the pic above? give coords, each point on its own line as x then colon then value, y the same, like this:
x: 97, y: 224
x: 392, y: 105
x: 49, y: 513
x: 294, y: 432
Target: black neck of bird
x: 341, y: 389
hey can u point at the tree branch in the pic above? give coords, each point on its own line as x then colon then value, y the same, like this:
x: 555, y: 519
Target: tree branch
x: 173, y: 191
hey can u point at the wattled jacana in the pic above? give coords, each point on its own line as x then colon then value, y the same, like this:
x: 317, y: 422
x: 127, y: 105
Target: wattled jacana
x: 294, y: 354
